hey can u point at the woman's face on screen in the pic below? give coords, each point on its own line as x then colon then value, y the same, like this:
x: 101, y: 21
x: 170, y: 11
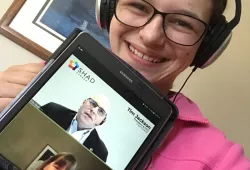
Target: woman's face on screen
x: 54, y: 166
x: 147, y: 49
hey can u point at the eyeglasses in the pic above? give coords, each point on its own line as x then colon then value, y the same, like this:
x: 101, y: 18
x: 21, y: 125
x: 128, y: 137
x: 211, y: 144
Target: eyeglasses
x: 93, y: 104
x: 179, y: 28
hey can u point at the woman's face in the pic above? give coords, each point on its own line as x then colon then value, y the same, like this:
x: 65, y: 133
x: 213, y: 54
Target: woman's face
x: 54, y: 166
x: 150, y: 40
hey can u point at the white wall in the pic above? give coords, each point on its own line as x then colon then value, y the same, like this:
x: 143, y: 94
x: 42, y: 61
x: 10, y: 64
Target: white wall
x: 222, y: 90
x: 11, y: 53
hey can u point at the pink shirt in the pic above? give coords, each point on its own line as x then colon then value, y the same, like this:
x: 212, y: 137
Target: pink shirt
x: 195, y: 144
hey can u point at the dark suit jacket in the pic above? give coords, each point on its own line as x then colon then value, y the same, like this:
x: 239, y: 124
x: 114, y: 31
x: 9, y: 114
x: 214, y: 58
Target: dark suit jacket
x: 63, y: 117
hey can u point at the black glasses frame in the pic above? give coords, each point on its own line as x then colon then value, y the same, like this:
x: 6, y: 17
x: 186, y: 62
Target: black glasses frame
x: 163, y: 14
x: 94, y: 104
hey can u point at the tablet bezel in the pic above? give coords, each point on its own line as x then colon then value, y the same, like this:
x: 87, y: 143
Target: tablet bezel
x: 162, y: 106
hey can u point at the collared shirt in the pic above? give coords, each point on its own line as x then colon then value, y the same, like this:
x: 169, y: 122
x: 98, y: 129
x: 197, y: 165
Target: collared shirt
x: 79, y: 135
x: 195, y: 144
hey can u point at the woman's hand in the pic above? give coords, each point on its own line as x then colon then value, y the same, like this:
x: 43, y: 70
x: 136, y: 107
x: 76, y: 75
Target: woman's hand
x: 14, y: 79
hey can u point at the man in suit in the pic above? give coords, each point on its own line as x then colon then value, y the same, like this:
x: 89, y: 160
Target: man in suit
x: 81, y: 124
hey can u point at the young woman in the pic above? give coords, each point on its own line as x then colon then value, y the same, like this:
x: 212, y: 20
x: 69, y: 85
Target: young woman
x: 61, y: 161
x: 160, y: 51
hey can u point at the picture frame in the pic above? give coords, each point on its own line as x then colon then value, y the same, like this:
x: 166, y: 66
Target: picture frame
x: 45, y: 154
x: 41, y: 26
x: 16, y: 37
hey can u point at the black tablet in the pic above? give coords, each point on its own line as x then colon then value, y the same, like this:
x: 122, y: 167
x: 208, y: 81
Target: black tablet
x: 86, y: 109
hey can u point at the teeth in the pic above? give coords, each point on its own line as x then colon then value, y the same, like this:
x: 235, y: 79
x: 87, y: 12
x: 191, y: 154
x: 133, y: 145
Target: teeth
x: 143, y: 56
x: 140, y: 54
x: 157, y: 60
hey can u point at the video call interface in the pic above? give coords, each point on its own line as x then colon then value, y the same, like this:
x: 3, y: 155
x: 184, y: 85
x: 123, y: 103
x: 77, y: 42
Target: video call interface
x: 78, y: 121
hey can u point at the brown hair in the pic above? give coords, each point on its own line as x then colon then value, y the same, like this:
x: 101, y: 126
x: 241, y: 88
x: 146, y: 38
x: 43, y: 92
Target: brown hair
x: 62, y: 160
x: 219, y: 7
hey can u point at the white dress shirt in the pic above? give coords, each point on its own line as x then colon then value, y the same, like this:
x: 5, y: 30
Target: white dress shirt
x: 79, y: 135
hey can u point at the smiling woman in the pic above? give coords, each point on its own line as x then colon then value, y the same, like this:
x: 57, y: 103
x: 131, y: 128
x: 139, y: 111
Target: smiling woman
x: 160, y: 39
x: 172, y: 38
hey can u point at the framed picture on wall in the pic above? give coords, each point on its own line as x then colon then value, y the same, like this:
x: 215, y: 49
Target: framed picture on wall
x: 43, y: 156
x: 41, y: 26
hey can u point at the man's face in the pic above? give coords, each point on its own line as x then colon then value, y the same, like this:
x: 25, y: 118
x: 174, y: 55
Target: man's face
x: 90, y: 114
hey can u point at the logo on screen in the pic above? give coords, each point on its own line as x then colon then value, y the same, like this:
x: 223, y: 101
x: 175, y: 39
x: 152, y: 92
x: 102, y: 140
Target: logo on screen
x: 81, y: 71
x: 73, y: 64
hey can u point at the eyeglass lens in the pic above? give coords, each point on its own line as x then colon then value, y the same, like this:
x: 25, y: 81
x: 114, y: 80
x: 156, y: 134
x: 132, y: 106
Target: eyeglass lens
x: 179, y: 28
x: 93, y: 103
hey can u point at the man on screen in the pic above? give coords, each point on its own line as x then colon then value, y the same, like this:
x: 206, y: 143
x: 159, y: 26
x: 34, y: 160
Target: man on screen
x: 81, y: 124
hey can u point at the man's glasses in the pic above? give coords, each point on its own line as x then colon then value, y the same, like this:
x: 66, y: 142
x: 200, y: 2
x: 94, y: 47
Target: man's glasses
x: 93, y: 104
x: 179, y: 28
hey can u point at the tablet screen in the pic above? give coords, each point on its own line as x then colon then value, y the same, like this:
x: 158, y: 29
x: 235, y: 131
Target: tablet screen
x: 77, y: 115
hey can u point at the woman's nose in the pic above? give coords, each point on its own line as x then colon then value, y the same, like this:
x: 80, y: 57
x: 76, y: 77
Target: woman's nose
x: 153, y: 33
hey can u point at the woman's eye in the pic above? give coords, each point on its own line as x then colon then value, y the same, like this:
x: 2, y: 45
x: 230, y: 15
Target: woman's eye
x: 182, y: 24
x: 139, y: 6
x: 56, y: 167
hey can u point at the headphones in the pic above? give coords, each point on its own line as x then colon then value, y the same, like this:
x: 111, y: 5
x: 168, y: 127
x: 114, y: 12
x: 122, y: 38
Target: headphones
x: 215, y: 41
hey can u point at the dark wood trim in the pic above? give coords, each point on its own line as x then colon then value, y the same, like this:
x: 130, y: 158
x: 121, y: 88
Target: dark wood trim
x: 19, y: 39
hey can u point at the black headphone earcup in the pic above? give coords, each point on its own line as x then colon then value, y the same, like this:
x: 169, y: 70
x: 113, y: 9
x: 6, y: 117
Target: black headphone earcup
x: 104, y: 12
x: 214, y: 43
x: 216, y: 53
x: 112, y: 4
x: 100, y: 13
